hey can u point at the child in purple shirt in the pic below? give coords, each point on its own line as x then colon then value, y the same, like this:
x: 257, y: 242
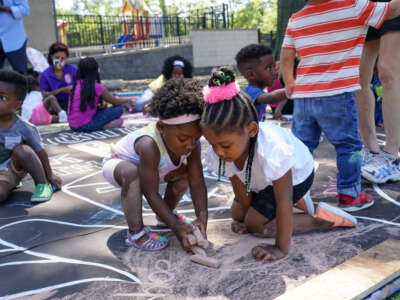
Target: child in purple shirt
x: 59, y: 74
x: 84, y: 113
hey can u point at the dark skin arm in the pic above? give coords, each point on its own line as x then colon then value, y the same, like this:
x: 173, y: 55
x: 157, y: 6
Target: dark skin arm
x: 66, y: 90
x: 51, y: 177
x: 283, y: 192
x: 198, y: 189
x: 107, y: 97
x: 149, y: 154
x: 240, y: 193
x: 271, y: 98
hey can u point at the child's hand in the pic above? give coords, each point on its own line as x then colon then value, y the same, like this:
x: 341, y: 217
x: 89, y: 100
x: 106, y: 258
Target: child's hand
x: 182, y: 230
x: 279, y: 117
x: 202, y: 224
x: 54, y: 179
x: 67, y: 89
x: 266, y: 253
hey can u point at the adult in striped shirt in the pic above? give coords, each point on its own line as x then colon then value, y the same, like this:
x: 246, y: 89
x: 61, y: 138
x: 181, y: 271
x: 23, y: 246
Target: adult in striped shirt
x: 328, y: 38
x: 381, y: 166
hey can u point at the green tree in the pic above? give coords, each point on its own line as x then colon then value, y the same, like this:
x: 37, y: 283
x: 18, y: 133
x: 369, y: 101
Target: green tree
x: 256, y: 14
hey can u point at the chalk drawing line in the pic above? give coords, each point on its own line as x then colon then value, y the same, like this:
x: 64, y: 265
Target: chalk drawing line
x: 48, y: 258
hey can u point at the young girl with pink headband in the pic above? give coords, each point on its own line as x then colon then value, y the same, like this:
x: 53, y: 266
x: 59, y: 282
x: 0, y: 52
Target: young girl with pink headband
x: 269, y: 168
x: 168, y: 150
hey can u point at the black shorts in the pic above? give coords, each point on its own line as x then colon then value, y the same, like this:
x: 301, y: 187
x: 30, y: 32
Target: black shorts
x: 264, y: 201
x: 389, y: 25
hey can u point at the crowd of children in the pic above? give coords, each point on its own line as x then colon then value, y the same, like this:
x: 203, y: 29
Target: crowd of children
x: 270, y: 168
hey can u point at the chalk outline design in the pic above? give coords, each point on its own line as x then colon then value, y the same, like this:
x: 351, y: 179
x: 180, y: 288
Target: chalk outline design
x: 49, y: 258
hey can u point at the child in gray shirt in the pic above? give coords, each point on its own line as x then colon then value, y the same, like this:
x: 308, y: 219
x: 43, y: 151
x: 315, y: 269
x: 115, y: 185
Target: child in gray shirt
x: 20, y: 149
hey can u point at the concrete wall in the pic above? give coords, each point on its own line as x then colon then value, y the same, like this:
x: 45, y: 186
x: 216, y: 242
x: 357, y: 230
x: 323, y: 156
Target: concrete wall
x: 219, y: 47
x: 140, y: 64
x: 39, y: 25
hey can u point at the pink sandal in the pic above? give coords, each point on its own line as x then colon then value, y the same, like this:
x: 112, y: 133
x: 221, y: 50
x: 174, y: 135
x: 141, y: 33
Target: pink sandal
x: 154, y: 243
x: 179, y: 216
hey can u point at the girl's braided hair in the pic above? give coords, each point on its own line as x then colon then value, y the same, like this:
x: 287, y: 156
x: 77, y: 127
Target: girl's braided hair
x: 230, y: 114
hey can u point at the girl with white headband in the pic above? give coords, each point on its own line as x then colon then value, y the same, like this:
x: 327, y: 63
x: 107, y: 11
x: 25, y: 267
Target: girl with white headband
x: 270, y: 170
x: 167, y: 150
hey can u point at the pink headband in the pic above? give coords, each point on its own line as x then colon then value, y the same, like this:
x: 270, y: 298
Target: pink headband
x: 183, y: 119
x: 220, y: 93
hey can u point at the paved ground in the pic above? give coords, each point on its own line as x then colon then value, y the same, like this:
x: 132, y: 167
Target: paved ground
x: 72, y: 246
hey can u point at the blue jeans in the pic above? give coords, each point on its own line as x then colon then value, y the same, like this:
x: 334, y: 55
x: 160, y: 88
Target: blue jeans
x: 337, y: 117
x: 102, y: 118
x: 17, y: 59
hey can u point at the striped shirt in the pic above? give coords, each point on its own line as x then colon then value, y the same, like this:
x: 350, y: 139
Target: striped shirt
x: 328, y: 38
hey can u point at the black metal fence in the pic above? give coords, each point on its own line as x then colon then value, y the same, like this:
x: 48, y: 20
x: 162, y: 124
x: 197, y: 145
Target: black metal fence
x: 268, y: 39
x: 120, y: 31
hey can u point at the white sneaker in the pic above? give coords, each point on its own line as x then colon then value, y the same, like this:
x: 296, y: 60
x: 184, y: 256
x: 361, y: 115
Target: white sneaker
x: 382, y: 168
x: 62, y: 117
x: 366, y: 156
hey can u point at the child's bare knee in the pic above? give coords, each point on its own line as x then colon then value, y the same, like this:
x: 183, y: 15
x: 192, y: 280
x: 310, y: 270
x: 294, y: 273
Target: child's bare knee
x: 21, y: 151
x: 237, y: 212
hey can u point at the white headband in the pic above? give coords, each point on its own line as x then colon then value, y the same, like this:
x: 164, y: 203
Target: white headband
x: 178, y: 63
x: 182, y: 119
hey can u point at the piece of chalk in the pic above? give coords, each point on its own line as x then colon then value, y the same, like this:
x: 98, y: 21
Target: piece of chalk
x: 201, y: 241
x: 199, y: 251
x: 192, y: 239
x: 205, y: 261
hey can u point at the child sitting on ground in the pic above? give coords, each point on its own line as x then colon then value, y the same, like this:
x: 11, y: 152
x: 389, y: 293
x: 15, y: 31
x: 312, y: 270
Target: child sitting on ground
x: 86, y: 95
x: 21, y: 150
x: 173, y: 67
x: 270, y: 170
x: 256, y: 63
x: 39, y: 111
x: 159, y: 152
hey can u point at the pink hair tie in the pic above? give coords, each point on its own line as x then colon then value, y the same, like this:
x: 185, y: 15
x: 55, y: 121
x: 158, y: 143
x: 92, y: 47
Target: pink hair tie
x: 220, y: 92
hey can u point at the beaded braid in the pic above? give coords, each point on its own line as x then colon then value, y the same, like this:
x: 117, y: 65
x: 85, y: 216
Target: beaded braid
x: 231, y: 114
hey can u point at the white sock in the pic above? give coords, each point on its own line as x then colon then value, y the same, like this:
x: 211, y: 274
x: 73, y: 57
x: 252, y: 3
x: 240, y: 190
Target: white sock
x: 62, y: 116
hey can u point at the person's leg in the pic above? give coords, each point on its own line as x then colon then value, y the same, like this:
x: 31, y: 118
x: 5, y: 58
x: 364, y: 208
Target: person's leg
x: 304, y: 125
x: 102, y: 118
x: 127, y: 176
x: 365, y: 98
x: 51, y: 104
x: 389, y: 75
x: 25, y: 159
x: 177, y: 185
x: 5, y: 189
x: 339, y: 122
x: 238, y: 214
x: 18, y: 59
x: 2, y: 56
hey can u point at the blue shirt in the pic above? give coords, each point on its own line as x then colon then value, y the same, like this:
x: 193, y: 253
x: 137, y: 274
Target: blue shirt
x: 49, y: 81
x: 254, y: 92
x: 12, y: 32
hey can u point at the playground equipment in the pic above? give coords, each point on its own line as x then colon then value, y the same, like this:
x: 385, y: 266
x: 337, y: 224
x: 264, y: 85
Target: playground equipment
x: 140, y: 28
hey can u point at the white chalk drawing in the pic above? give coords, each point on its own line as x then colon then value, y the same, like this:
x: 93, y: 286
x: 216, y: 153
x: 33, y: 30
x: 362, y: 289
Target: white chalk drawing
x: 69, y: 138
x: 66, y: 164
x: 54, y: 259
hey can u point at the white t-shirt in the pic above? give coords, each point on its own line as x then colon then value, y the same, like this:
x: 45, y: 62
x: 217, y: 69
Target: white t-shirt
x: 277, y: 151
x: 33, y: 99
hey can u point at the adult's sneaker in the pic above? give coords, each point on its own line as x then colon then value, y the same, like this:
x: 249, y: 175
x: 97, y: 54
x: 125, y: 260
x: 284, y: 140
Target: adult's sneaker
x: 366, y: 156
x: 336, y: 216
x: 382, y: 168
x: 42, y: 193
x: 350, y: 204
